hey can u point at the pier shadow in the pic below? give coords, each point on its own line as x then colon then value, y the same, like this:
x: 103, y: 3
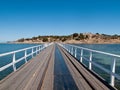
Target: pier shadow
x: 62, y: 78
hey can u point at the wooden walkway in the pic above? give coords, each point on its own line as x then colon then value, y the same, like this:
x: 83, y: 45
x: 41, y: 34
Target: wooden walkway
x: 53, y: 69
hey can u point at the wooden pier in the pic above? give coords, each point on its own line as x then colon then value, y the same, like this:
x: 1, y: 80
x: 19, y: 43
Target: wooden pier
x: 53, y: 69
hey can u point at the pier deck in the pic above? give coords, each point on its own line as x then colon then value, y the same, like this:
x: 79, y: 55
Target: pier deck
x: 53, y: 69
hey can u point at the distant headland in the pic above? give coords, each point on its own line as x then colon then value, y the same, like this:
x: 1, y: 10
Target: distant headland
x: 76, y: 38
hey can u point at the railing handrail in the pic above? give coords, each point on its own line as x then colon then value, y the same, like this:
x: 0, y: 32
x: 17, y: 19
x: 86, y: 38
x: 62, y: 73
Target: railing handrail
x: 96, y: 51
x: 38, y: 48
x: 111, y: 72
x: 15, y: 51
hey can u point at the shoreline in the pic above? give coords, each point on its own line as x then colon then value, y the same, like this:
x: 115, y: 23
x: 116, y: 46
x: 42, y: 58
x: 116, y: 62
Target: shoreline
x: 65, y: 42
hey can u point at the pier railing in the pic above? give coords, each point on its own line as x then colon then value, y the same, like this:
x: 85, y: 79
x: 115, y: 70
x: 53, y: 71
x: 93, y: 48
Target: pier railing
x: 72, y: 49
x: 34, y: 50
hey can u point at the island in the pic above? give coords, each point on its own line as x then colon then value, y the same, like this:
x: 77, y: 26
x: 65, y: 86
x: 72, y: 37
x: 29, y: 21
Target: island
x: 75, y: 38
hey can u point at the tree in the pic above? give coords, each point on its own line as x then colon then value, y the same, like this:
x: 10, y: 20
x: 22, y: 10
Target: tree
x: 81, y: 36
x: 86, y: 37
x: 77, y: 38
x: 64, y: 39
x: 75, y: 35
x: 115, y: 36
x: 45, y: 40
x: 34, y: 38
x: 27, y: 39
x: 39, y: 36
x: 97, y: 34
x: 21, y: 40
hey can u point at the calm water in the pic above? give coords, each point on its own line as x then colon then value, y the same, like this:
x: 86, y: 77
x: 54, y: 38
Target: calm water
x: 110, y: 48
x: 11, y: 47
x: 8, y: 59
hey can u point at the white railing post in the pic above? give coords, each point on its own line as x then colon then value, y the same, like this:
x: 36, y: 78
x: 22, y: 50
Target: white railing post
x: 90, y: 61
x: 36, y: 50
x: 43, y: 47
x: 14, y: 66
x: 69, y: 49
x: 75, y: 52
x: 65, y: 47
x: 39, y: 49
x: 25, y: 56
x: 62, y: 45
x: 72, y: 51
x: 112, y: 82
x: 81, y: 55
x: 32, y: 53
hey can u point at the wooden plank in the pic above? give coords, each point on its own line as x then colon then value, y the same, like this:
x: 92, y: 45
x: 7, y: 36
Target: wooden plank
x: 49, y: 77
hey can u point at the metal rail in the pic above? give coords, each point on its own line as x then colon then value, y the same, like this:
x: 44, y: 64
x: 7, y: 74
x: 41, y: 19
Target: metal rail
x: 34, y: 50
x: 111, y: 72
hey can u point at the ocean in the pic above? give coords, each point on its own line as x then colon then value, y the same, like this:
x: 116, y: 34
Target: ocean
x: 7, y: 47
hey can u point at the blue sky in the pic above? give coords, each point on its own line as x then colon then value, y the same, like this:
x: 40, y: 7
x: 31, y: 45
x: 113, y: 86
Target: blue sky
x: 28, y: 18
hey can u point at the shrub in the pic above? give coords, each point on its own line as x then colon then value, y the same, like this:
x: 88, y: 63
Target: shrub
x: 45, y: 40
x: 21, y: 40
x: 81, y: 36
x: 75, y: 35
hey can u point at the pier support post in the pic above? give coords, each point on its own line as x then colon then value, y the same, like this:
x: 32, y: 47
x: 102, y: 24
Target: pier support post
x: 72, y: 51
x: 32, y: 53
x: 69, y: 49
x: 40, y: 48
x: 112, y: 81
x: 36, y: 50
x: 81, y: 55
x: 90, y: 62
x: 14, y: 66
x: 75, y: 52
x: 25, y: 56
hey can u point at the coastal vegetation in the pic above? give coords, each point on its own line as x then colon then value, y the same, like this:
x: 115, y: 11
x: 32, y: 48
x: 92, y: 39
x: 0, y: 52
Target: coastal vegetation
x: 74, y: 38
